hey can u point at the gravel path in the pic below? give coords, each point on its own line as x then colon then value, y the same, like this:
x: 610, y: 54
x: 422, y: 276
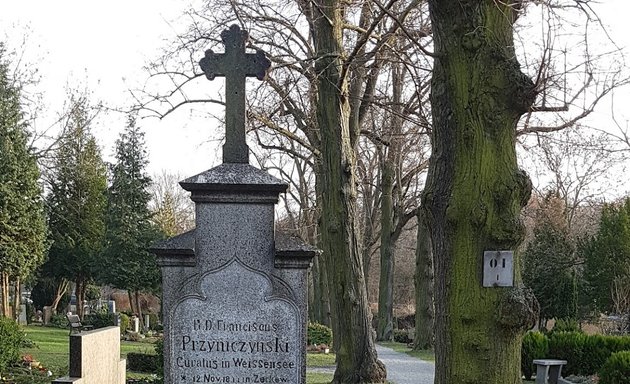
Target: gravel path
x: 404, y: 369
x: 401, y: 368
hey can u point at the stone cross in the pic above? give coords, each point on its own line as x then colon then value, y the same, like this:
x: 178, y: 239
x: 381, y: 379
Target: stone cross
x: 235, y: 64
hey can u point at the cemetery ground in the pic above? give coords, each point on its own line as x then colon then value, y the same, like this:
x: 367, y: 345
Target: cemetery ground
x: 49, y: 347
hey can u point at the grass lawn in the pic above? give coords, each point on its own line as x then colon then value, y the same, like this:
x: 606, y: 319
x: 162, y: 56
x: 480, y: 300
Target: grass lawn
x: 52, y: 351
x: 427, y: 355
x: 52, y: 347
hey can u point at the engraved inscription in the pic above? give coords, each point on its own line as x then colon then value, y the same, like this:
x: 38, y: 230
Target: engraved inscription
x: 230, y: 335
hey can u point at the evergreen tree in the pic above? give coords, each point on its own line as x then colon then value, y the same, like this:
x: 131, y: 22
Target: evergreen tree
x: 607, y: 255
x: 550, y: 271
x: 77, y: 205
x: 130, y: 231
x: 22, y: 222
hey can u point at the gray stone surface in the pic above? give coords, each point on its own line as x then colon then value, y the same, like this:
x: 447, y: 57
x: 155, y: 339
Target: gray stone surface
x: 234, y: 292
x: 235, y: 64
x: 234, y: 304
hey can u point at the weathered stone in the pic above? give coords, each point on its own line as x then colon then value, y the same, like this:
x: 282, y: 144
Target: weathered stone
x: 234, y: 294
x: 235, y: 65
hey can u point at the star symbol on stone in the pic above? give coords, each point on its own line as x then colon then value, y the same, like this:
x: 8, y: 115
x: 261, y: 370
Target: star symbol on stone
x: 183, y: 377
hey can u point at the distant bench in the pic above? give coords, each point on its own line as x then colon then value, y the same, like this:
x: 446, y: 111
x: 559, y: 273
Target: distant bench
x: 75, y: 324
x: 549, y: 371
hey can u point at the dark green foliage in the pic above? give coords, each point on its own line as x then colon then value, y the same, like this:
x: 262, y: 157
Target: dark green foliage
x: 585, y: 354
x: 319, y: 334
x: 127, y: 264
x: 77, y: 204
x: 159, y: 351
x: 566, y: 325
x: 549, y: 270
x: 22, y: 222
x: 58, y: 321
x: 142, y: 362
x: 402, y: 336
x: 535, y: 346
x: 100, y: 319
x: 11, y: 337
x: 43, y: 293
x: 607, y: 255
x: 568, y: 346
x: 616, y: 370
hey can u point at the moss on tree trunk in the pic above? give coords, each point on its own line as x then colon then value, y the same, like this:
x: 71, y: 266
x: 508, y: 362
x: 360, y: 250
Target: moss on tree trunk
x: 356, y: 354
x: 475, y: 191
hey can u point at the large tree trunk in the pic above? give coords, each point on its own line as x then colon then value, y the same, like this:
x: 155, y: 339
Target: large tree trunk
x: 356, y: 355
x: 423, y: 337
x: 474, y: 190
x: 4, y: 291
x: 389, y: 230
x: 385, y: 328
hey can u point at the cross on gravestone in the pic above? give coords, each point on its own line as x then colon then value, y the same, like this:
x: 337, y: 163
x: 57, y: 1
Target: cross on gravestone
x: 235, y: 64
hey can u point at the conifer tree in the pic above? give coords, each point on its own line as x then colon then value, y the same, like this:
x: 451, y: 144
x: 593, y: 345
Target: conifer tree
x: 130, y: 230
x: 22, y: 223
x: 77, y: 205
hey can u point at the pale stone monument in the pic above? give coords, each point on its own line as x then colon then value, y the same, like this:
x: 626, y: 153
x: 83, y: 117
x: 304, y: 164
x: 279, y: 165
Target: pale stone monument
x: 95, y: 358
x: 234, y: 292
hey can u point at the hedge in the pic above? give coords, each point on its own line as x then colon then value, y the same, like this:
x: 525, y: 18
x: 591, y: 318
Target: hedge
x: 585, y: 354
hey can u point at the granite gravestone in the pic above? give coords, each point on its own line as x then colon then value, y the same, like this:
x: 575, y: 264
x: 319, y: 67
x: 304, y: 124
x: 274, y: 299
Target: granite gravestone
x: 234, y: 290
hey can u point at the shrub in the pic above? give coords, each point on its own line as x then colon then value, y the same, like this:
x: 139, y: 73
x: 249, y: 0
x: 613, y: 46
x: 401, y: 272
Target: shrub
x: 616, y: 369
x: 535, y: 346
x: 100, y: 319
x: 318, y: 334
x: 58, y: 321
x: 124, y: 322
x: 12, y: 337
x: 568, y: 346
x: 142, y: 362
x: 402, y: 336
x: 566, y: 325
x: 159, y: 352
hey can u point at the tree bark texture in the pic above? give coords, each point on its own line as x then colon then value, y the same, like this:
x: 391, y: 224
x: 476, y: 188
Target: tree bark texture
x: 385, y: 329
x: 4, y: 286
x: 356, y: 354
x: 17, y: 296
x: 474, y: 190
x: 423, y: 279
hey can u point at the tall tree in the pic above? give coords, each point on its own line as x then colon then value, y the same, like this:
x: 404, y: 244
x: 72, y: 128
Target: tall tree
x: 474, y: 190
x: 22, y: 222
x: 550, y: 263
x: 607, y: 256
x: 356, y: 355
x: 77, y: 204
x: 126, y: 263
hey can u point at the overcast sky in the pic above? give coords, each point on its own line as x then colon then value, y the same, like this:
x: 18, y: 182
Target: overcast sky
x: 104, y: 45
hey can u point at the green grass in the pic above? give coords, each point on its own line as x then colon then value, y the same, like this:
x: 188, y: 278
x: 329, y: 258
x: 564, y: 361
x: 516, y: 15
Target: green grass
x: 320, y: 359
x: 52, y: 348
x: 318, y: 378
x: 427, y: 355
